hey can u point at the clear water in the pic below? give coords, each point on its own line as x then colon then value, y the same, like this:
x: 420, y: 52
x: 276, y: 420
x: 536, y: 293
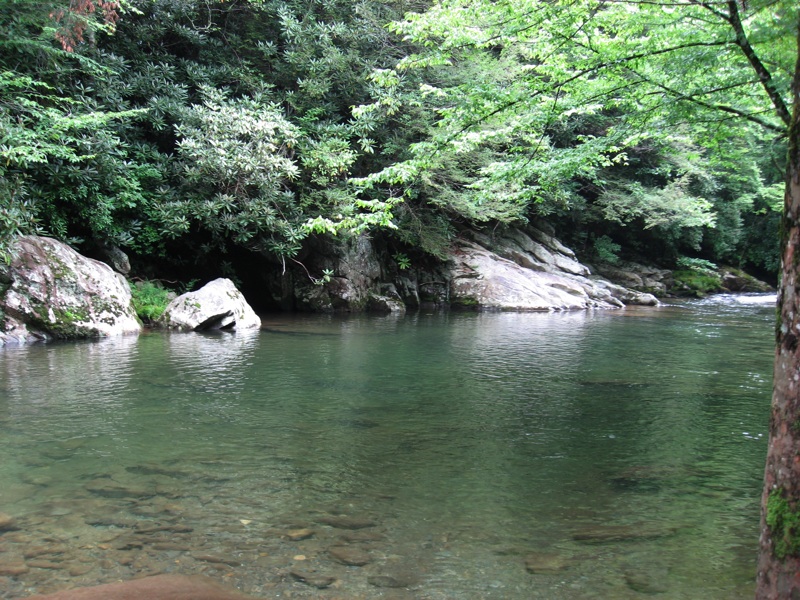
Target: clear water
x: 615, y: 454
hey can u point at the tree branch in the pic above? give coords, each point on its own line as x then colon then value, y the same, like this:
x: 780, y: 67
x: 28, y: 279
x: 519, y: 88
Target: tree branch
x: 721, y: 107
x: 763, y: 74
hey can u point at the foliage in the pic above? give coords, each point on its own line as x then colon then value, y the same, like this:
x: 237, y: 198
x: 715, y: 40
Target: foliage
x: 606, y: 250
x: 178, y: 128
x: 235, y: 158
x: 150, y: 299
x: 402, y: 260
x: 699, y: 265
x: 634, y: 111
x: 694, y: 283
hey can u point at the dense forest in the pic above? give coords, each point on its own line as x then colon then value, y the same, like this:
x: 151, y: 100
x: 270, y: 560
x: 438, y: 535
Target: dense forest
x: 186, y: 132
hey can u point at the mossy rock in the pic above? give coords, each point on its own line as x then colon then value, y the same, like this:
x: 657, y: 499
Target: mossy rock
x: 690, y: 282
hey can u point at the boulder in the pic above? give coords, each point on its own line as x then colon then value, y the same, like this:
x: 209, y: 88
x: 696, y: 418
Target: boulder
x: 736, y: 280
x: 158, y: 587
x: 49, y: 291
x: 217, y: 305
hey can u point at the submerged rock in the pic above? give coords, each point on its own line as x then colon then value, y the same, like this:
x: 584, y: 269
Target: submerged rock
x: 12, y: 567
x: 108, y: 488
x: 158, y: 587
x: 313, y: 579
x: 350, y: 555
x: 546, y: 564
x: 648, y: 580
x: 217, y: 305
x: 395, y: 576
x: 604, y: 534
x: 49, y: 291
x: 8, y: 523
x: 296, y: 535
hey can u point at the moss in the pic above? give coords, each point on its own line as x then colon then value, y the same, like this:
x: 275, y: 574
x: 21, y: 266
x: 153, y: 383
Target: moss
x: 696, y: 283
x: 149, y: 300
x: 68, y: 324
x: 784, y: 523
x: 466, y: 303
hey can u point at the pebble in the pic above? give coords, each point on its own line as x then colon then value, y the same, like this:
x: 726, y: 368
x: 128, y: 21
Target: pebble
x: 541, y: 563
x: 7, y: 523
x: 313, y: 579
x: 296, y: 535
x: 13, y: 568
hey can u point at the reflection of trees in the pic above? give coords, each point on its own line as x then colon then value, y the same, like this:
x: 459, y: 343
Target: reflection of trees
x: 43, y: 382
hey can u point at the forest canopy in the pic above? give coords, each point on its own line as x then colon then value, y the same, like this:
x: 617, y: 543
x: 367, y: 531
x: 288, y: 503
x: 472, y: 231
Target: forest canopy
x: 174, y: 127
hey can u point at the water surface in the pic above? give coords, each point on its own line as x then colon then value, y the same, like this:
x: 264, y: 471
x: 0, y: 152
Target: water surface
x: 607, y: 454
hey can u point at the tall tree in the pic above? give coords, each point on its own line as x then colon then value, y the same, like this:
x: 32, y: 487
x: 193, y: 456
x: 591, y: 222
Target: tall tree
x: 779, y: 558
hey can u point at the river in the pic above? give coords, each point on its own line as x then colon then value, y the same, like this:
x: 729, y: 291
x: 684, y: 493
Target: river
x: 600, y: 454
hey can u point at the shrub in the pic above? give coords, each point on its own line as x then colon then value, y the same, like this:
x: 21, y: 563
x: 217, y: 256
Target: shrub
x: 150, y: 299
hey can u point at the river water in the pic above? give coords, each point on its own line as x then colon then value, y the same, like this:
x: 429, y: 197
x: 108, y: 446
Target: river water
x: 606, y: 454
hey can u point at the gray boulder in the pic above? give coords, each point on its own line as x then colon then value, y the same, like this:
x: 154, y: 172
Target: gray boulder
x: 49, y: 291
x: 217, y: 305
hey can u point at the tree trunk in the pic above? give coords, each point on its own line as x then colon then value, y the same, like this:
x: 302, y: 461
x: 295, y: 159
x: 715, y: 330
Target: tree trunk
x: 779, y: 555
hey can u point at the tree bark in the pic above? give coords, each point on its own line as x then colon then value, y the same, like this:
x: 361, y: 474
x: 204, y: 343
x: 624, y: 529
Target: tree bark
x: 779, y: 552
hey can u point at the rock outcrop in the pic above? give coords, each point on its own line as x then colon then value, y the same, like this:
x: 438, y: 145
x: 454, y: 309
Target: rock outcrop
x: 526, y: 270
x: 663, y: 282
x: 49, y: 291
x: 357, y: 274
x: 518, y: 272
x: 217, y: 305
x: 640, y: 278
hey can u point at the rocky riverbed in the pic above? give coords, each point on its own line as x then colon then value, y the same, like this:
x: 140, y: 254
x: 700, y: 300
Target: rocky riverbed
x: 150, y: 519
